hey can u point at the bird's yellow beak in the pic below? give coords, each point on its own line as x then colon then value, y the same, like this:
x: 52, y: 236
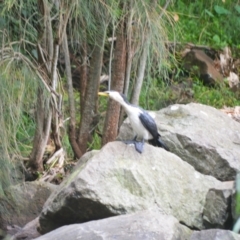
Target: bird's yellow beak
x: 103, y: 94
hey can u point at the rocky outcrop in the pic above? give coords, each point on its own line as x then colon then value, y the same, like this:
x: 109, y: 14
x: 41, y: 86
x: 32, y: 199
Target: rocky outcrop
x: 203, y: 136
x: 118, y: 180
x: 119, y: 193
x: 144, y: 225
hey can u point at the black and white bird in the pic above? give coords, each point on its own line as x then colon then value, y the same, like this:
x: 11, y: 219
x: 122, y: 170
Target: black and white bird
x: 142, y: 123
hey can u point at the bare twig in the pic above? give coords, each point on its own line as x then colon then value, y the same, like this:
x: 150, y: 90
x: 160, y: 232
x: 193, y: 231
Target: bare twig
x: 164, y: 8
x: 56, y: 155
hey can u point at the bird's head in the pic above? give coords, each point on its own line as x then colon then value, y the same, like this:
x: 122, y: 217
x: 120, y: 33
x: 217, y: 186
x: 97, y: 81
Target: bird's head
x: 118, y: 97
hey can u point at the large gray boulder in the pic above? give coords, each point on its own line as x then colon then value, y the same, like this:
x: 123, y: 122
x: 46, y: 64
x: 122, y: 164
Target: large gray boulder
x: 201, y: 135
x: 22, y: 204
x: 138, y: 226
x: 118, y: 180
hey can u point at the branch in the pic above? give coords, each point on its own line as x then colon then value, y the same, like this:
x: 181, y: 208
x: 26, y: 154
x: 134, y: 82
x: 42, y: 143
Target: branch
x: 54, y: 156
x: 164, y: 8
x: 40, y: 50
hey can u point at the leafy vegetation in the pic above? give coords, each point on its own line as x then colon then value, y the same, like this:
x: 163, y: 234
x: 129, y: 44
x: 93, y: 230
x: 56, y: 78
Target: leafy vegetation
x: 160, y: 94
x: 17, y: 87
x: 217, y: 97
x: 213, y: 23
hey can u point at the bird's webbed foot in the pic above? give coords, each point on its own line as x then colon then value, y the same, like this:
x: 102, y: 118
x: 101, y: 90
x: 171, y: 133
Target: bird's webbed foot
x: 137, y: 144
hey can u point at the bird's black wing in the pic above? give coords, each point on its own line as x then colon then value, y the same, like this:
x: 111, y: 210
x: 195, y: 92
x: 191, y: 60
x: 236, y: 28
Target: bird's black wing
x: 149, y: 123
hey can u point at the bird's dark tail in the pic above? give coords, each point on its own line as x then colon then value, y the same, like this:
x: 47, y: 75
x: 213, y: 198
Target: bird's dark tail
x: 158, y: 143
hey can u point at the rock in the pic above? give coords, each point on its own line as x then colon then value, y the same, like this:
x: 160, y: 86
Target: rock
x: 83, y: 160
x: 217, y: 210
x: 138, y: 226
x: 201, y: 135
x: 118, y: 180
x: 29, y: 231
x: 203, y: 66
x: 215, y: 234
x: 24, y: 203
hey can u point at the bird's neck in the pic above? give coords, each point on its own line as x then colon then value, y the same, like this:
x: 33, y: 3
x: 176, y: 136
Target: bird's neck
x: 126, y: 105
x: 128, y: 108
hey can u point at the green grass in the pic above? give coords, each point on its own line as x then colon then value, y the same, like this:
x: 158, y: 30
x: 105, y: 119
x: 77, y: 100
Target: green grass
x: 217, y: 97
x: 213, y: 23
x: 158, y: 94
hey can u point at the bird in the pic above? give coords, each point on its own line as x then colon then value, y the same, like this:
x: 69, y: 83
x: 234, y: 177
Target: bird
x: 142, y: 123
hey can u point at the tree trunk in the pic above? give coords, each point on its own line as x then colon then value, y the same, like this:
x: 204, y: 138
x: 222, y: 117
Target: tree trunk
x: 140, y: 74
x: 83, y: 73
x: 130, y: 54
x: 43, y: 108
x: 129, y: 57
x: 72, y: 124
x: 89, y: 113
x: 119, y: 67
x: 56, y: 101
x: 43, y: 122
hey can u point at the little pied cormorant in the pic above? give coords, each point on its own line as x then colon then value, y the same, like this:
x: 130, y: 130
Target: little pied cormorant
x: 142, y: 123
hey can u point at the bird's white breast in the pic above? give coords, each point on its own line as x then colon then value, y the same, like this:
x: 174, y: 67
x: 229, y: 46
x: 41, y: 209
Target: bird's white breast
x: 133, y: 115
